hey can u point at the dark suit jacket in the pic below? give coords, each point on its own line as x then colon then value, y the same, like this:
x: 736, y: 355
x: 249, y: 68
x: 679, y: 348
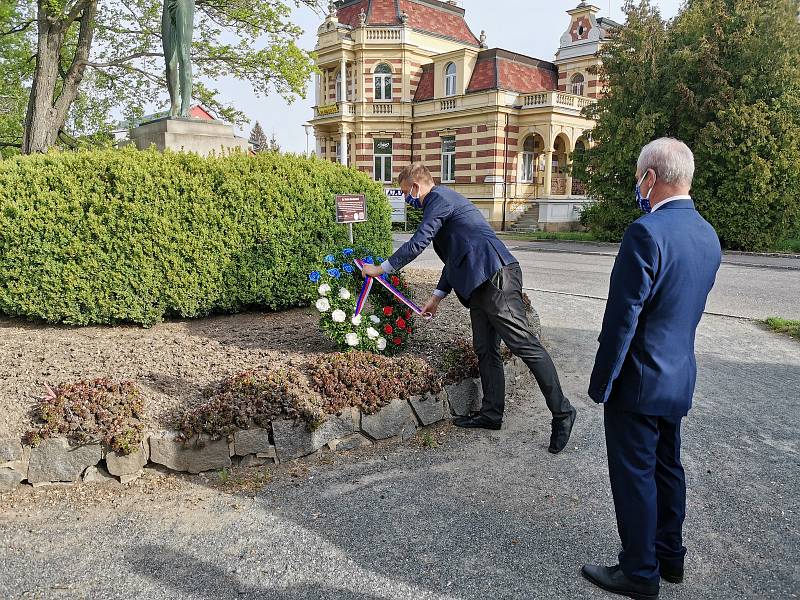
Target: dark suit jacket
x: 462, y: 238
x: 663, y: 273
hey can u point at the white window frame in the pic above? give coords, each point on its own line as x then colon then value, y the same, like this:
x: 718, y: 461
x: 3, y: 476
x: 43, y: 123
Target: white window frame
x: 382, y: 161
x: 577, y: 88
x: 339, y: 86
x: 450, y: 79
x: 379, y: 81
x: 528, y: 166
x: 448, y: 160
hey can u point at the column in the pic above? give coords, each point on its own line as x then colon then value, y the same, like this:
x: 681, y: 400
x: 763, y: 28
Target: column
x: 344, y: 80
x: 568, y: 160
x: 343, y: 151
x: 548, y: 173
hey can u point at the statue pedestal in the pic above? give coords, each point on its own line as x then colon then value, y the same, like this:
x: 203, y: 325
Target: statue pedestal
x: 188, y: 135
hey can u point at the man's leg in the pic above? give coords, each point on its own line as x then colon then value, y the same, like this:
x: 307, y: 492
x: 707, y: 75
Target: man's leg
x: 501, y: 299
x: 671, y: 490
x: 486, y: 342
x: 631, y: 441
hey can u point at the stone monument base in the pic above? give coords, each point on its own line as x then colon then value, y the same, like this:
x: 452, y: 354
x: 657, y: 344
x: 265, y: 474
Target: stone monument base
x: 188, y: 135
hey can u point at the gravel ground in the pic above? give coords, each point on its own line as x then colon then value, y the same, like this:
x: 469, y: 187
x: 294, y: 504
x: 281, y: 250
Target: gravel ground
x: 172, y: 362
x: 452, y: 514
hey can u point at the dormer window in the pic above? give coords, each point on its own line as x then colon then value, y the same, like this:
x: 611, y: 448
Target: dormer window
x: 577, y: 84
x: 450, y: 79
x: 383, y: 82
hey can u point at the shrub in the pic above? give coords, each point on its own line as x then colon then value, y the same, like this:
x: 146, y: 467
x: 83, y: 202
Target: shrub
x: 91, y: 411
x: 114, y: 236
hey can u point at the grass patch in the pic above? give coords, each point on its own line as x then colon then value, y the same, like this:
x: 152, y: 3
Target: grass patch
x: 787, y: 326
x: 569, y: 236
x: 788, y: 245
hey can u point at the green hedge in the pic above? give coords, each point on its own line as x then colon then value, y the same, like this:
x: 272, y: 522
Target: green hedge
x: 126, y: 236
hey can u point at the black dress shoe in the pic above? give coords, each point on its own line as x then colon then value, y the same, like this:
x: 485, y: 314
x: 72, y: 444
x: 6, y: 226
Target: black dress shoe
x: 561, y: 430
x: 613, y: 580
x: 477, y: 421
x: 673, y: 575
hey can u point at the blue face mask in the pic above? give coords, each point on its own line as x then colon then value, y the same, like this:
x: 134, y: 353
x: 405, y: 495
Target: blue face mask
x: 413, y: 201
x: 643, y: 202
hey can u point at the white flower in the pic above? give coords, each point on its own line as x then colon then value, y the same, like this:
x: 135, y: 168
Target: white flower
x: 356, y: 320
x: 323, y: 305
x: 381, y: 344
x: 324, y: 289
x: 352, y: 339
x: 374, y: 319
x: 372, y: 333
x: 344, y: 294
x: 338, y: 316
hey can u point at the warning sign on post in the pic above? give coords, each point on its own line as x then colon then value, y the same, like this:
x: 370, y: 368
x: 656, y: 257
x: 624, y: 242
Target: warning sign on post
x: 398, y: 203
x: 351, y: 209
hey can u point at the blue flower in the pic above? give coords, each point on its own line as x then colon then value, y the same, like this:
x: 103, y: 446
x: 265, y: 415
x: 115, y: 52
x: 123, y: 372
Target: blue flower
x: 378, y: 260
x: 347, y: 252
x: 314, y: 277
x: 348, y: 268
x: 335, y: 273
x: 369, y: 260
x: 330, y: 259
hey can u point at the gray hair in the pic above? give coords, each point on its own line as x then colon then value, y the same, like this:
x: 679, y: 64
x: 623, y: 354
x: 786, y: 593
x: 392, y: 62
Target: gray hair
x: 670, y: 158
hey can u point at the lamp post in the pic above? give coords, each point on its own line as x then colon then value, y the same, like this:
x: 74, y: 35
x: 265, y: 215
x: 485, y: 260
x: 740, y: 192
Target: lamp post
x: 309, y: 128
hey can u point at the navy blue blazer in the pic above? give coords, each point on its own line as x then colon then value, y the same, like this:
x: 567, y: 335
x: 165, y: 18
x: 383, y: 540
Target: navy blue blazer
x: 665, y: 268
x: 462, y: 238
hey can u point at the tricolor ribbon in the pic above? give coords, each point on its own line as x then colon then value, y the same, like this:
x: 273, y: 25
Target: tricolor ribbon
x: 365, y: 289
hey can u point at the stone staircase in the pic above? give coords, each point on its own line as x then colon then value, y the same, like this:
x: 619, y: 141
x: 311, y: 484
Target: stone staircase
x: 528, y: 221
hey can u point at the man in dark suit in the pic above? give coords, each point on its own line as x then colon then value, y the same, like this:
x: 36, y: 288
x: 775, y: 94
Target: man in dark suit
x: 488, y: 280
x: 645, y: 369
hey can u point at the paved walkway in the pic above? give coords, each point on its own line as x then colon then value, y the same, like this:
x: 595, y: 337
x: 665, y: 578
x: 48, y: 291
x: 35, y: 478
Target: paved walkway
x: 484, y: 515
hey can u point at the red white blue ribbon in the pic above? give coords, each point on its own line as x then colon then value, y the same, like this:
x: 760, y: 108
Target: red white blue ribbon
x: 365, y: 289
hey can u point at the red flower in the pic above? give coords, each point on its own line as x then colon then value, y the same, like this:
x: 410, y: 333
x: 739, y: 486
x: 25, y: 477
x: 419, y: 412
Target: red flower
x: 395, y: 280
x: 397, y: 341
x: 388, y: 330
x: 408, y: 314
x: 401, y: 323
x: 409, y: 330
x: 387, y: 310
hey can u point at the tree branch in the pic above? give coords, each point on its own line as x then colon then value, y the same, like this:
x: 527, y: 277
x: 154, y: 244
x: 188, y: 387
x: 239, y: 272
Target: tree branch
x: 19, y: 28
x: 119, y: 62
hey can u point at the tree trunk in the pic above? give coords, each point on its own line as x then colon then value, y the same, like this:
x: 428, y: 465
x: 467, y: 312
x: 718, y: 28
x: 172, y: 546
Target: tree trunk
x: 47, y: 113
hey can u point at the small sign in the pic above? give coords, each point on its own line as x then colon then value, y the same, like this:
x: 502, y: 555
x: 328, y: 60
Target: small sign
x: 328, y: 109
x: 398, y: 203
x: 351, y: 209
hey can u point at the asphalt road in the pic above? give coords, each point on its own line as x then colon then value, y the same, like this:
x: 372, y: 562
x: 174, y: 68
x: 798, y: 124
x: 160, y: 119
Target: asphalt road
x: 484, y: 514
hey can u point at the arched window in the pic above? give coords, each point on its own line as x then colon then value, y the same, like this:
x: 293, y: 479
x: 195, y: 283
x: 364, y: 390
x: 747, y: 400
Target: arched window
x: 339, y: 86
x: 577, y: 84
x: 450, y: 79
x: 529, y: 159
x: 383, y: 82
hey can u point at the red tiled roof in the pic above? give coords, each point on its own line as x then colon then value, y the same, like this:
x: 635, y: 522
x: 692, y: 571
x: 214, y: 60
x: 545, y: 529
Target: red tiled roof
x: 428, y: 16
x: 425, y: 87
x: 500, y: 69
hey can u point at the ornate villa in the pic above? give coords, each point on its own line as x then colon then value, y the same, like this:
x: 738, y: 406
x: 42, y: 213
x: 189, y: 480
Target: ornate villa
x: 404, y: 80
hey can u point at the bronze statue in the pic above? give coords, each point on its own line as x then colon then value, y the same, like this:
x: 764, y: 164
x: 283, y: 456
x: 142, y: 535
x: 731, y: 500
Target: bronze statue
x: 177, y: 24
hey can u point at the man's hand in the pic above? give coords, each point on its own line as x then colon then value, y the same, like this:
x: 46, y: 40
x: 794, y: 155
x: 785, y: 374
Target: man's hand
x: 431, y: 306
x: 372, y: 271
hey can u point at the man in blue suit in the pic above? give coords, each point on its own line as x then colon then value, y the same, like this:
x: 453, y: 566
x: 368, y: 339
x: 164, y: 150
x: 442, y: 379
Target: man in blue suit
x: 488, y: 280
x: 645, y: 369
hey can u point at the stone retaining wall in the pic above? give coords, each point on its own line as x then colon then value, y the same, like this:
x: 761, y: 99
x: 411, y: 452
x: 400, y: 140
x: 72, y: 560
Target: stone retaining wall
x: 55, y: 461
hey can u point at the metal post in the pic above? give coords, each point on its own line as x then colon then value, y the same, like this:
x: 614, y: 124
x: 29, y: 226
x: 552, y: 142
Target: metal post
x: 350, y: 232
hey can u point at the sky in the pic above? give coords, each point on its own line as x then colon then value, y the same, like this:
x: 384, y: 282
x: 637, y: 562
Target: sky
x: 531, y: 27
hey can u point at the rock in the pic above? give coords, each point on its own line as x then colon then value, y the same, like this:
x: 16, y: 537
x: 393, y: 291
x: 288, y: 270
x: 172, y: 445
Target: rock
x: 429, y: 409
x: 271, y: 453
x: 97, y: 474
x: 120, y: 464
x: 351, y: 442
x: 9, y: 479
x: 293, y: 439
x: 125, y: 479
x: 195, y: 456
x: 252, y: 460
x: 55, y: 460
x: 10, y: 450
x: 464, y: 397
x: 391, y: 420
x: 251, y: 441
x: 534, y: 322
x: 510, y: 371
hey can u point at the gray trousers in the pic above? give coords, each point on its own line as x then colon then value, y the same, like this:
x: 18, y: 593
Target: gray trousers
x: 497, y: 312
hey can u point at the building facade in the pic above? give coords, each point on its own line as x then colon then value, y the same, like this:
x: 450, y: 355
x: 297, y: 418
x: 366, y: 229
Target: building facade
x: 407, y: 80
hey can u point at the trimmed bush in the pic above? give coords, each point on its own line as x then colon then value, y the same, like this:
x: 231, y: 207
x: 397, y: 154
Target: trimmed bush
x: 116, y: 236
